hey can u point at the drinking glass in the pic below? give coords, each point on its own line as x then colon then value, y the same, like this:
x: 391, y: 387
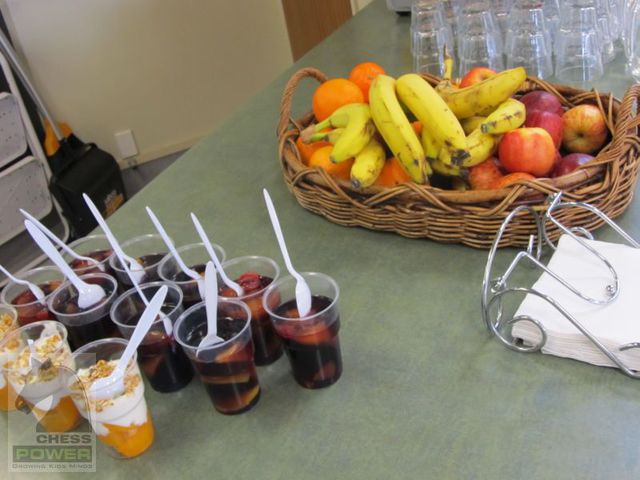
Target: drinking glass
x: 578, y: 52
x: 481, y: 40
x: 430, y: 35
x: 92, y: 246
x: 633, y: 39
x: 148, y: 250
x: 528, y: 41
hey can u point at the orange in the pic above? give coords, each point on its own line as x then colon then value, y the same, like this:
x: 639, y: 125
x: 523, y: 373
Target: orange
x: 332, y: 95
x: 320, y: 158
x: 484, y: 175
x: 511, y: 179
x: 392, y: 174
x: 363, y: 74
x: 417, y: 127
x: 308, y: 149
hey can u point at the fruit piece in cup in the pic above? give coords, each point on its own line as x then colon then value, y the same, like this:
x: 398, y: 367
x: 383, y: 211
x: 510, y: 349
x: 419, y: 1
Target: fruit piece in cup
x: 85, y: 266
x: 7, y: 393
x: 122, y: 422
x: 39, y: 383
x: 312, y: 346
x: 229, y: 375
x: 29, y: 308
x: 266, y: 343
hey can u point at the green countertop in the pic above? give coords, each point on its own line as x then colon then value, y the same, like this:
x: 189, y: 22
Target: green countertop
x: 426, y: 391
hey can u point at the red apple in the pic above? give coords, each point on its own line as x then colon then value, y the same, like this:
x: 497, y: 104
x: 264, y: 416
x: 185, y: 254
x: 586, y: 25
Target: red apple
x: 585, y: 130
x: 541, y: 100
x: 529, y: 150
x: 476, y: 75
x: 569, y: 163
x: 551, y: 122
x: 484, y: 175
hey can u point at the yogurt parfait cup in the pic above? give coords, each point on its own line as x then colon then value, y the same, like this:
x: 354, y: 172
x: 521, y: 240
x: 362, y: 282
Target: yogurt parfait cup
x: 37, y: 373
x: 121, y: 422
x: 8, y: 323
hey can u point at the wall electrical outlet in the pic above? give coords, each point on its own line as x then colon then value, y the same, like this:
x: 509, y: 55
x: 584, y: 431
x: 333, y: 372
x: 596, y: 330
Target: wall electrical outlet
x: 126, y: 143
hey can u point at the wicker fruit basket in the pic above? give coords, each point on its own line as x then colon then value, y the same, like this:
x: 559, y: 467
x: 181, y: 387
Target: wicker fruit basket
x: 472, y: 217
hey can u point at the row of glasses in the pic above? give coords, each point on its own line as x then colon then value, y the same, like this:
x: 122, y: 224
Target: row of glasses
x: 528, y: 33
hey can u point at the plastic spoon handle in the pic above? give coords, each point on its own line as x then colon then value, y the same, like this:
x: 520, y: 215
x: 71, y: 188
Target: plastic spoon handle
x: 148, y: 316
x: 207, y: 244
x: 303, y: 294
x: 36, y: 290
x: 111, y: 237
x: 211, y: 299
x: 55, y: 239
x: 192, y: 273
x: 168, y: 326
x: 47, y: 247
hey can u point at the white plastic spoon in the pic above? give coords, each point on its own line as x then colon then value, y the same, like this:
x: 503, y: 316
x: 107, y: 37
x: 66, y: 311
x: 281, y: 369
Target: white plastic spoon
x: 88, y: 294
x: 113, y: 385
x: 36, y: 290
x: 212, y: 253
x: 211, y: 307
x: 122, y: 257
x: 52, y: 236
x: 134, y: 266
x: 190, y: 272
x: 303, y: 294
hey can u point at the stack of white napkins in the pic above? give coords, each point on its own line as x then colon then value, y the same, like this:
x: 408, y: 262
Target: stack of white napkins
x: 615, y: 324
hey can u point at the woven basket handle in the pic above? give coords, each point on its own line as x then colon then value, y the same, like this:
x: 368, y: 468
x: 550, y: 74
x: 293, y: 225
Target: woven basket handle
x: 630, y: 101
x: 289, y: 90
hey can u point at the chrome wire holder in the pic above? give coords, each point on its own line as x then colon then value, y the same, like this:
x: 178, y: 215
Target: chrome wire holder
x: 494, y: 289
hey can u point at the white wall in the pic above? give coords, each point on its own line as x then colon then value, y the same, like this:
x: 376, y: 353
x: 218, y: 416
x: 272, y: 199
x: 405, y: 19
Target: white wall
x: 170, y: 70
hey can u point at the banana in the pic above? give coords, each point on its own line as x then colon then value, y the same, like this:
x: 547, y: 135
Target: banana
x: 471, y: 123
x: 480, y: 145
x: 331, y: 136
x: 367, y: 165
x: 428, y: 107
x: 508, y: 116
x: 355, y: 118
x: 443, y: 169
x: 483, y: 97
x: 431, y: 147
x: 393, y: 125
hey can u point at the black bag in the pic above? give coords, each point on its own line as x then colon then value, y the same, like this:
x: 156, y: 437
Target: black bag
x: 94, y: 172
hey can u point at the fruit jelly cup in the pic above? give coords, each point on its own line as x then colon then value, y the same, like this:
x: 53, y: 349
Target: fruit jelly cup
x: 85, y: 246
x: 193, y: 255
x: 266, y: 343
x: 311, y: 342
x: 162, y: 360
x: 8, y: 323
x: 136, y: 247
x: 92, y: 323
x: 41, y: 391
x: 124, y: 424
x: 32, y: 310
x: 226, y: 368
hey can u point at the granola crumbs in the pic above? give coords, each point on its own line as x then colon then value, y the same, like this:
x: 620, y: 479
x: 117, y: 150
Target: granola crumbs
x: 103, y: 369
x: 7, y: 323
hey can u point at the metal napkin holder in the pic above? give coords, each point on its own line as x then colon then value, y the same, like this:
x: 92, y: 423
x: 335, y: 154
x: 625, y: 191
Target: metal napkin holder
x: 494, y: 289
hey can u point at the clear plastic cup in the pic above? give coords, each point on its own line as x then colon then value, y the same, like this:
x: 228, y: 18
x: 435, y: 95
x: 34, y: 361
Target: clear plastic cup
x: 226, y: 369
x: 195, y: 256
x: 578, y: 53
x: 480, y: 39
x: 528, y: 41
x: 123, y: 422
x: 149, y: 250
x: 40, y: 382
x: 632, y: 40
x: 311, y: 342
x: 85, y: 325
x: 161, y: 359
x: 604, y: 20
x: 92, y: 246
x: 20, y: 297
x: 255, y: 274
x: 8, y: 323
